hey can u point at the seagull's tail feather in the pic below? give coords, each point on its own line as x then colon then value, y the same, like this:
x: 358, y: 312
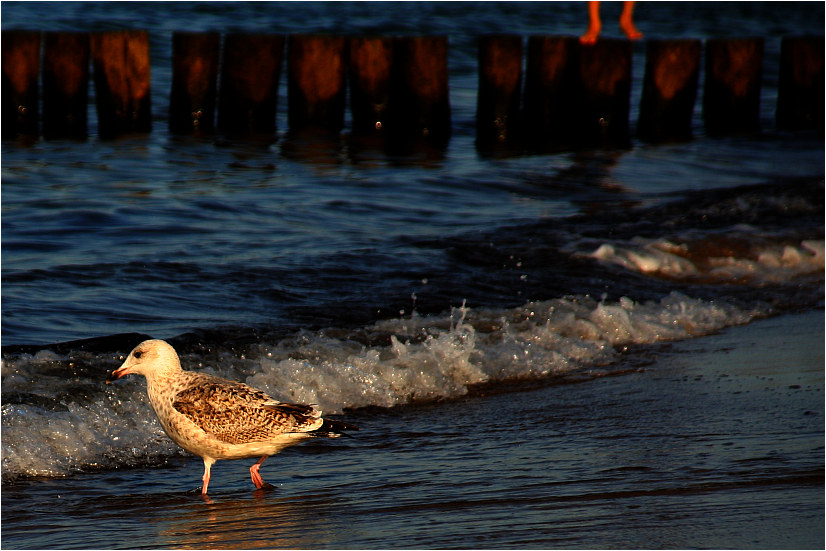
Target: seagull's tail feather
x: 333, y: 429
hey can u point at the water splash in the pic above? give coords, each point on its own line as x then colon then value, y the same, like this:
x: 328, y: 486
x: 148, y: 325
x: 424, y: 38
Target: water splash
x: 59, y: 418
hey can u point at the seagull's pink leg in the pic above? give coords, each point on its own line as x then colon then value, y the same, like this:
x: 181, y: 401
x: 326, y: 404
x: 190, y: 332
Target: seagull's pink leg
x: 256, y: 478
x: 207, y: 466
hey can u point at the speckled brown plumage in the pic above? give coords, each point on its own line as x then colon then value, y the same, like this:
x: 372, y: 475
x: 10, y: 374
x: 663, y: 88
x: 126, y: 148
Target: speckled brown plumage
x: 238, y: 414
x: 217, y: 418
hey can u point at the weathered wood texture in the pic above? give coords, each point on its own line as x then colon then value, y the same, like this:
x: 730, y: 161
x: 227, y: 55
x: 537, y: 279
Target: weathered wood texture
x: 500, y: 89
x: 733, y: 75
x: 250, y: 72
x: 316, y: 84
x: 21, y: 94
x: 122, y: 82
x: 669, y: 93
x: 800, y: 91
x: 194, y: 82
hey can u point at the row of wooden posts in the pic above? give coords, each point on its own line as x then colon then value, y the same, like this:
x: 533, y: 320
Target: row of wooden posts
x: 573, y: 95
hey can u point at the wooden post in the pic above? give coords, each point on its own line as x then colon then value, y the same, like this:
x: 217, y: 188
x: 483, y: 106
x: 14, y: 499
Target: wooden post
x: 122, y: 81
x: 316, y: 69
x: 251, y: 69
x: 731, y: 99
x: 419, y: 102
x: 800, y: 90
x: 605, y: 98
x: 499, y: 91
x: 550, y: 91
x: 65, y: 84
x: 672, y: 72
x: 194, y: 82
x: 21, y: 68
x: 371, y: 60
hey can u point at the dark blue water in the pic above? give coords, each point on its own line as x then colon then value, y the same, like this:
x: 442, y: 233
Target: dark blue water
x: 716, y: 443
x: 175, y: 228
x: 533, y: 294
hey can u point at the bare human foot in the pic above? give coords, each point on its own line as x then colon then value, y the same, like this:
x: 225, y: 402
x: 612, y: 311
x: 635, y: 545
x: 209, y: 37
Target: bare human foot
x: 627, y: 26
x: 590, y: 36
x: 594, y: 25
x: 626, y: 22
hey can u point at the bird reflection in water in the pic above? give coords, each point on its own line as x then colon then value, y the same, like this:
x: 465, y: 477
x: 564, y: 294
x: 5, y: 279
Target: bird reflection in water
x: 263, y: 521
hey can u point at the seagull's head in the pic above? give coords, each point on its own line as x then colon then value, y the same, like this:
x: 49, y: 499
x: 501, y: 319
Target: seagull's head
x: 149, y: 358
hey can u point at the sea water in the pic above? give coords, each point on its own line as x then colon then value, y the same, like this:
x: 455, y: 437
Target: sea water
x: 474, y: 315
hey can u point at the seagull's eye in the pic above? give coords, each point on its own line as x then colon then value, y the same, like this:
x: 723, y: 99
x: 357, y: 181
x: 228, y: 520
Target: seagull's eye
x: 137, y: 354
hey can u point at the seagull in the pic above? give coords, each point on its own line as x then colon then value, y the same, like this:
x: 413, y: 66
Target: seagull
x: 216, y: 418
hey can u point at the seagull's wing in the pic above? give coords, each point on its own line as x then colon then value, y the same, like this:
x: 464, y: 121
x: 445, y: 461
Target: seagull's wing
x: 237, y: 414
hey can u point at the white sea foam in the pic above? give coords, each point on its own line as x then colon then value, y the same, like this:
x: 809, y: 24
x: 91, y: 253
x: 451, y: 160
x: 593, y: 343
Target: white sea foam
x: 93, y: 425
x: 717, y: 261
x: 64, y: 425
x: 440, y: 358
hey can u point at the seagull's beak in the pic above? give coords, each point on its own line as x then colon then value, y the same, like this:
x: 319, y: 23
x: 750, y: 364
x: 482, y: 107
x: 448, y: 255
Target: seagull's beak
x: 118, y: 373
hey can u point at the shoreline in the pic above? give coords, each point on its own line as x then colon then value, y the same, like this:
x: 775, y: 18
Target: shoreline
x: 717, y: 442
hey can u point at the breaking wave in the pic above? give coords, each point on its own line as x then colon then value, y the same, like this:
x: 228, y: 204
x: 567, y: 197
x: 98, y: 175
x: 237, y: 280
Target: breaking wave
x: 730, y: 259
x: 59, y: 417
